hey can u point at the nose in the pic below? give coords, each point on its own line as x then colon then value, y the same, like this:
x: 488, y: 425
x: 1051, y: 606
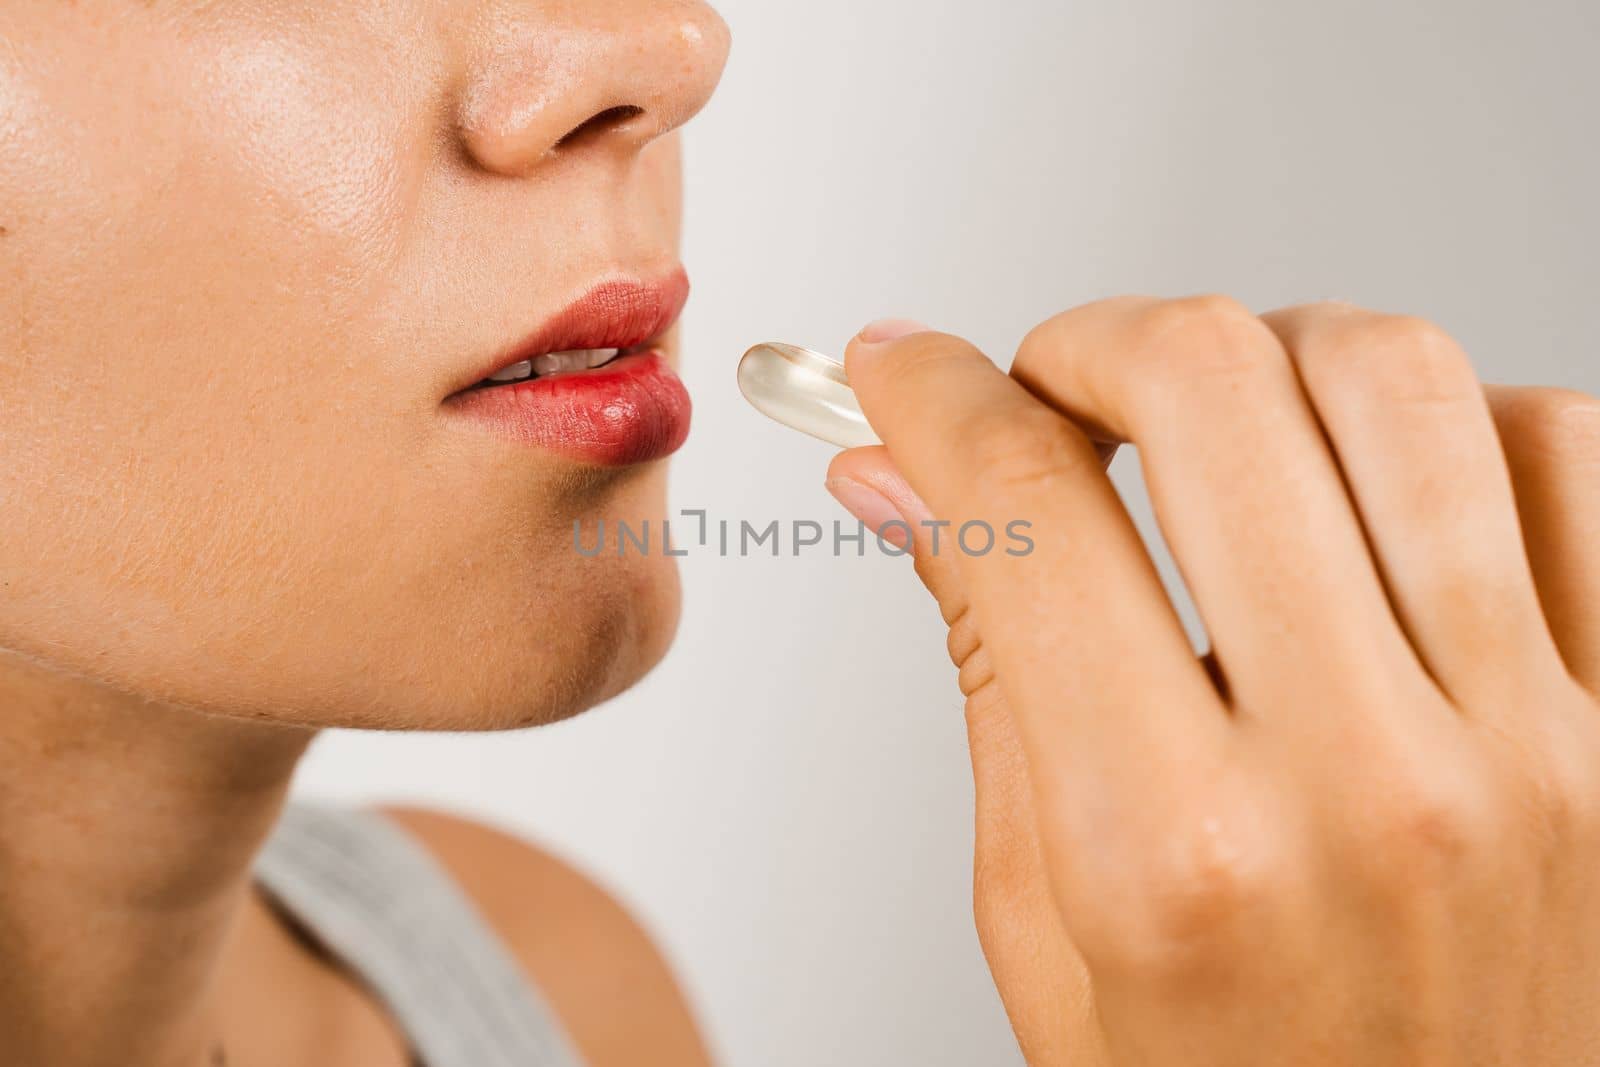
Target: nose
x: 603, y: 75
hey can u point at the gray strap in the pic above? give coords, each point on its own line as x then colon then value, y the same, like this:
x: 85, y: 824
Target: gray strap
x: 379, y: 901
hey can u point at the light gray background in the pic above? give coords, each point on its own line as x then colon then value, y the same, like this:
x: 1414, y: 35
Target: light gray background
x: 786, y: 800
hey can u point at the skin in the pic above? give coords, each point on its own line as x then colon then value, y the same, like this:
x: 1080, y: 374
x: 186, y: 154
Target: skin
x: 245, y: 250
x: 1365, y: 826
x: 246, y: 245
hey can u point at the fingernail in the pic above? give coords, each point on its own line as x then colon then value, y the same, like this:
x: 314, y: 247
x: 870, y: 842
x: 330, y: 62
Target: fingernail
x: 870, y: 506
x: 877, y: 333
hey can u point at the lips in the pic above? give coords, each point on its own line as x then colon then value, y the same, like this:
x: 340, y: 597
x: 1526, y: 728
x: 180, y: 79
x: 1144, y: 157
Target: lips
x: 631, y: 410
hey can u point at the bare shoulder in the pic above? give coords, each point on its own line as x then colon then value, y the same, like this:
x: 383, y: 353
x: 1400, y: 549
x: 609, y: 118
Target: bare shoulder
x: 593, y: 962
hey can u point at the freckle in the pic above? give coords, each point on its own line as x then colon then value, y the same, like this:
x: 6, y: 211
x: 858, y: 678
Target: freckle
x: 5, y: 231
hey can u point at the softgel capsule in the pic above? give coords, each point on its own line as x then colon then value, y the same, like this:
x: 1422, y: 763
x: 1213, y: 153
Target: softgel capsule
x: 805, y: 391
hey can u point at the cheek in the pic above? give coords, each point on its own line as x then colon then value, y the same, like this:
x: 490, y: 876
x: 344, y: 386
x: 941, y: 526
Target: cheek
x: 191, y: 252
x: 185, y: 258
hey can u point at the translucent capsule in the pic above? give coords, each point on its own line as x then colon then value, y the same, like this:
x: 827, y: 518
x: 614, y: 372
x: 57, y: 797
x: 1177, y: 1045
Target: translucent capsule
x: 806, y: 391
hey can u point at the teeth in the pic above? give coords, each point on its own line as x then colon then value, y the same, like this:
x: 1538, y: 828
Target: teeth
x: 556, y: 363
x: 514, y: 372
x: 579, y: 359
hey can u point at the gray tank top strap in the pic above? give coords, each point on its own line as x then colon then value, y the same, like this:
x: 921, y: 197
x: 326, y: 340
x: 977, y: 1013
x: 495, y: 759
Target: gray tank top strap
x: 376, y: 899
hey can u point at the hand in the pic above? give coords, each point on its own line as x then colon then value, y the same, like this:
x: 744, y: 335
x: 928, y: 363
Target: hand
x: 1363, y: 829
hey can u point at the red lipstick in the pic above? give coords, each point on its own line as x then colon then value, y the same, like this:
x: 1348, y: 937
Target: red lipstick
x: 631, y: 410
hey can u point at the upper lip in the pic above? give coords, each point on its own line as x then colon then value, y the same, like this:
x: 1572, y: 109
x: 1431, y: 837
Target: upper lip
x: 616, y: 312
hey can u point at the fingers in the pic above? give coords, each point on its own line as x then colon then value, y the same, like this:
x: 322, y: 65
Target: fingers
x: 1092, y: 659
x: 869, y: 486
x: 1041, y: 976
x: 1407, y: 418
x: 1551, y: 439
x: 1247, y: 493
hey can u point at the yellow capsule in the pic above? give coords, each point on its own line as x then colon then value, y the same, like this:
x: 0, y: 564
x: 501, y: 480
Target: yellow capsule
x: 806, y: 391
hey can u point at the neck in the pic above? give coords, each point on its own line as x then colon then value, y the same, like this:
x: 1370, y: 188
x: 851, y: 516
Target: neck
x: 127, y: 834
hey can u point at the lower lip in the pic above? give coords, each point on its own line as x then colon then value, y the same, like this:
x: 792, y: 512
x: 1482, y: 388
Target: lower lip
x: 632, y: 410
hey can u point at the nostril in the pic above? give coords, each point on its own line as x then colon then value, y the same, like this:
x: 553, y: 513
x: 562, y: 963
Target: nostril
x: 609, y: 119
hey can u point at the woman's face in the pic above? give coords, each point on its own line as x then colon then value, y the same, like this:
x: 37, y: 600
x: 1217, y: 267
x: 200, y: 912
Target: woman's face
x: 253, y: 252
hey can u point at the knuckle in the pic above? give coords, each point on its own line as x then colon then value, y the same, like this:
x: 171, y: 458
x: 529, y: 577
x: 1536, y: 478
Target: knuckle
x: 1207, y: 313
x: 963, y: 639
x: 1431, y: 826
x: 1043, y: 346
x: 1202, y: 339
x: 976, y: 675
x: 1558, y: 790
x: 1558, y: 808
x: 1423, y: 832
x: 1405, y: 335
x: 1210, y: 879
x: 1040, y: 346
x: 957, y: 611
x: 1193, y: 903
x: 1479, y: 602
x: 1397, y: 358
x: 1029, y: 450
x: 1562, y: 425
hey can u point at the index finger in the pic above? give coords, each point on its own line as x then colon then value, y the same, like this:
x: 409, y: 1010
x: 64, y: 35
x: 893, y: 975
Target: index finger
x: 1101, y: 705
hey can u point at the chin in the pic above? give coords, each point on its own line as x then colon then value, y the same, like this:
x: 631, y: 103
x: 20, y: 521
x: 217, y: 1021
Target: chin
x: 606, y: 645
x: 582, y: 650
x: 549, y: 638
